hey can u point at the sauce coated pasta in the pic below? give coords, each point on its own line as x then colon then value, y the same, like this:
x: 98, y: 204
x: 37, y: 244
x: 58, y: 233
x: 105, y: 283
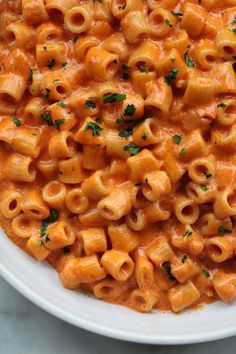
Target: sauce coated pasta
x: 118, y: 145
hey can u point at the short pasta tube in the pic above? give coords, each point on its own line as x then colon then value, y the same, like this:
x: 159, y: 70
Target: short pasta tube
x: 34, y: 12
x: 225, y: 286
x: 56, y: 9
x: 94, y: 241
x: 79, y: 18
x: 161, y: 22
x: 147, y: 133
x: 211, y: 225
x: 186, y: 238
x: 135, y: 26
x: 225, y: 204
x: 101, y: 70
x: 226, y: 112
x: 159, y: 95
x: 118, y: 264
x: 19, y: 35
x: 144, y: 270
x: 144, y: 56
x: 200, y: 193
x: 82, y: 46
x: 62, y: 145
x: 122, y: 238
x: 12, y: 87
x: 219, y: 248
x: 157, y: 184
x: 71, y: 170
x: 27, y: 142
x: 120, y: 8
x: 76, y: 201
x: 201, y: 170
x: 136, y: 219
x: 79, y: 270
x: 160, y: 251
x: 20, y: 168
x: 191, y: 14
x: 96, y: 186
x: 115, y: 205
x: 48, y: 31
x: 225, y: 44
x: 10, y: 205
x: 37, y: 248
x: 54, y: 194
x: 186, y: 210
x: 33, y: 204
x: 24, y: 226
x: 144, y: 161
x: 60, y: 234
x: 143, y: 300
x: 183, y: 296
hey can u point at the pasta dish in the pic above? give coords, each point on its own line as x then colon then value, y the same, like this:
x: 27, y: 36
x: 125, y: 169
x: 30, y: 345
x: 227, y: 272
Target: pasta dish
x: 118, y: 145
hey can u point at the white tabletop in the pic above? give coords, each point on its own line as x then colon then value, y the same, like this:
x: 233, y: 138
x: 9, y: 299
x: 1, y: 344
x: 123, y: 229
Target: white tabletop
x: 26, y: 329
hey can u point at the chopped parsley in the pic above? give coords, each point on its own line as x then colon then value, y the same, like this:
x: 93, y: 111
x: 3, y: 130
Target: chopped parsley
x: 234, y: 30
x: 125, y: 76
x: 177, y: 14
x: 64, y: 64
x: 132, y: 148
x: 46, y: 94
x: 114, y: 97
x: 129, y: 110
x: 31, y: 75
x: 167, y: 22
x: 137, y: 184
x: 234, y: 21
x: 126, y: 133
x: 75, y: 39
x: 183, y: 259
x: 177, y: 139
x: 16, y: 121
x: 43, y: 232
x: 58, y: 123
x: 90, y: 104
x: 181, y: 152
x: 203, y: 187
x: 94, y: 127
x: 124, y: 67
x: 206, y: 273
x: 61, y: 104
x: 221, y: 105
x: 188, y: 233
x: 143, y: 69
x: 167, y: 269
x: 51, y: 63
x: 222, y: 230
x: 171, y: 76
x: 144, y: 136
x: 119, y: 121
x: 207, y: 175
x: 47, y: 118
x: 188, y: 60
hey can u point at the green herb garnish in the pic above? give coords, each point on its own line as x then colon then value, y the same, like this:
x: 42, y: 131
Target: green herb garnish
x: 171, y: 76
x: 129, y: 110
x: 206, y: 273
x: 177, y: 139
x: 132, y: 148
x: 222, y: 230
x: 94, y: 127
x: 188, y: 233
x: 166, y: 267
x: 58, y: 123
x: 188, y: 60
x: 203, y: 187
x: 126, y: 133
x: 221, y: 105
x: 90, y: 104
x: 143, y: 69
x: 16, y: 121
x: 61, y: 104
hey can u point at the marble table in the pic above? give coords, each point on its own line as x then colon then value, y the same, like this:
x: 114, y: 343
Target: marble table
x: 26, y: 329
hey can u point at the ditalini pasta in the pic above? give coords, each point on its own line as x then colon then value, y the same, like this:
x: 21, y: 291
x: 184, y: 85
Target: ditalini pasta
x: 118, y: 145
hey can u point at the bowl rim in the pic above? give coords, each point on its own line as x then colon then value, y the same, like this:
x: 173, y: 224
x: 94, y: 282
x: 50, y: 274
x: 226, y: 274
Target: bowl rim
x: 106, y: 330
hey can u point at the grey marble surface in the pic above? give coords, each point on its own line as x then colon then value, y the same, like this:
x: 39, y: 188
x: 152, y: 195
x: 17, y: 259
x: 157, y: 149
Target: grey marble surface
x: 26, y: 329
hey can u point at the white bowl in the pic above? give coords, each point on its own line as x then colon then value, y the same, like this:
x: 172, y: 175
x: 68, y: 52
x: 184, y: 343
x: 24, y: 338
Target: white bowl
x: 39, y: 283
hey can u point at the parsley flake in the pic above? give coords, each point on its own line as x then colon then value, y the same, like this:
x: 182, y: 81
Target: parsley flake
x: 222, y: 230
x: 51, y: 63
x: 206, y: 273
x: 16, y: 121
x: 130, y: 110
x: 58, y: 122
x: 75, y: 39
x: 94, y: 127
x: 221, y: 105
x: 61, y: 104
x: 203, y: 187
x: 188, y: 233
x: 143, y: 69
x: 171, y: 76
x: 47, y: 118
x: 90, y: 104
x: 132, y: 148
x: 113, y: 97
x: 188, y: 60
x: 166, y: 267
x: 177, y: 14
x: 167, y: 22
x: 126, y: 133
x: 177, y: 139
x: 181, y: 153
